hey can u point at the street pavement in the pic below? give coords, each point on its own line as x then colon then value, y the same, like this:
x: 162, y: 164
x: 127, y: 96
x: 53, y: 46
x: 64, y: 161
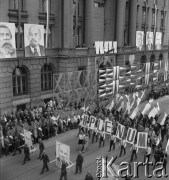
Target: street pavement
x: 11, y: 167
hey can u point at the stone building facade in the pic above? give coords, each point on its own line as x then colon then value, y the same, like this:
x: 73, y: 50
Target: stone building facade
x: 74, y: 27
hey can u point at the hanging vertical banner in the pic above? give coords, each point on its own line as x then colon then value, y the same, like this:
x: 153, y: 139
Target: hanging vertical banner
x: 34, y: 40
x: 149, y: 40
x: 131, y: 134
x: 120, y: 131
x: 142, y: 140
x: 47, y: 22
x: 158, y: 40
x: 7, y: 40
x: 139, y: 40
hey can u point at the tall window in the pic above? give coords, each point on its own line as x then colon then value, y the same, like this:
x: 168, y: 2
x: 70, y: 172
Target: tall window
x: 49, y: 36
x: 144, y: 16
x: 82, y: 76
x: 14, y: 4
x: 162, y: 18
x: 46, y: 78
x: 19, y: 80
x: 153, y: 17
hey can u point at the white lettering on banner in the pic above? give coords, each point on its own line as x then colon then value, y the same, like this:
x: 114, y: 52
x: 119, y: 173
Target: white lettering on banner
x: 108, y: 127
x: 92, y: 122
x: 142, y: 140
x: 120, y: 131
x: 131, y: 134
x: 28, y: 138
x: 100, y: 125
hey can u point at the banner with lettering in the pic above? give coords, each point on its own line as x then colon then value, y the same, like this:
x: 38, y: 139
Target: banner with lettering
x: 131, y: 134
x: 142, y: 140
x: 120, y: 131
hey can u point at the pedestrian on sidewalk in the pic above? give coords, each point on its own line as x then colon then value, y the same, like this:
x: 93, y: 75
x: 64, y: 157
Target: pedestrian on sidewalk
x: 45, y: 159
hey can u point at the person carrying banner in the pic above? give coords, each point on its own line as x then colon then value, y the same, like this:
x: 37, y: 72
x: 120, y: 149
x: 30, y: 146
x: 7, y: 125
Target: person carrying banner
x: 63, y: 170
x: 41, y: 148
x: 94, y: 134
x: 122, y: 146
x: 16, y: 146
x: 102, y: 139
x: 7, y: 144
x: 112, y: 141
x: 79, y: 162
x: 26, y: 153
x: 147, y: 155
x: 86, y: 141
x: 134, y: 150
x: 45, y: 159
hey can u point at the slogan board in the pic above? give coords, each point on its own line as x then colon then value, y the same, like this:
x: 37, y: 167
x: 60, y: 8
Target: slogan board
x: 28, y: 138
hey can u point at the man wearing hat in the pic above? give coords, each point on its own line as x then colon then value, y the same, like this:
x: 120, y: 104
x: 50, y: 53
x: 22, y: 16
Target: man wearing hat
x: 45, y: 159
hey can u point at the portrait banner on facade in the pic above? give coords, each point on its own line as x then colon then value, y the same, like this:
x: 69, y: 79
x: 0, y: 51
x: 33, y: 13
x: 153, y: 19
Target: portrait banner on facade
x: 158, y: 40
x: 7, y: 40
x: 149, y: 40
x: 139, y: 40
x: 34, y: 40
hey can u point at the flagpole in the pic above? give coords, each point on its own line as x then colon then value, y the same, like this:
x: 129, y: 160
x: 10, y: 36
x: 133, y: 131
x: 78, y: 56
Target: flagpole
x: 155, y: 23
x: 47, y: 22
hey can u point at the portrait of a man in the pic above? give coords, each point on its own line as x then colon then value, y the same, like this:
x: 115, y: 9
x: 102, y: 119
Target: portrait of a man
x: 7, y: 40
x: 139, y: 40
x: 149, y: 41
x: 34, y: 40
x: 158, y: 41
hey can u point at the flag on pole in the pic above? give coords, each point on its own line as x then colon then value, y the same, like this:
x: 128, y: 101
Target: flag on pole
x: 162, y: 119
x: 167, y: 147
x: 47, y: 21
x: 159, y: 138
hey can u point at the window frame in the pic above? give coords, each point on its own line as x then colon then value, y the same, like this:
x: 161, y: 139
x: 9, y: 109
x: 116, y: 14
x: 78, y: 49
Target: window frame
x: 46, y: 80
x: 20, y: 82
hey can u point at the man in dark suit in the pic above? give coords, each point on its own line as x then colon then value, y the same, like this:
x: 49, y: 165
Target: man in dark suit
x: 34, y: 48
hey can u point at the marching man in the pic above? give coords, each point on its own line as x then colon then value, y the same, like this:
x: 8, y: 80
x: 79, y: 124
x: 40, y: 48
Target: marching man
x: 94, y: 134
x: 134, y: 150
x: 122, y: 146
x: 112, y: 141
x: 102, y: 138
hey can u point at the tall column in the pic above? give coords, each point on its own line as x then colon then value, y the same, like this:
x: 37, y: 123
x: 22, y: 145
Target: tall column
x: 132, y: 22
x: 68, y: 24
x: 120, y: 22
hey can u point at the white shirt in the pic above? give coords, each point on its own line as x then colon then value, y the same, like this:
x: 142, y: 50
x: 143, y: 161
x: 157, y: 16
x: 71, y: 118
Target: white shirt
x: 38, y: 50
x: 148, y: 150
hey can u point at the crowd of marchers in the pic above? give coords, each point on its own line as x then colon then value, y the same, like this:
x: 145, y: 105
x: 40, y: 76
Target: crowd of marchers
x: 38, y: 120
